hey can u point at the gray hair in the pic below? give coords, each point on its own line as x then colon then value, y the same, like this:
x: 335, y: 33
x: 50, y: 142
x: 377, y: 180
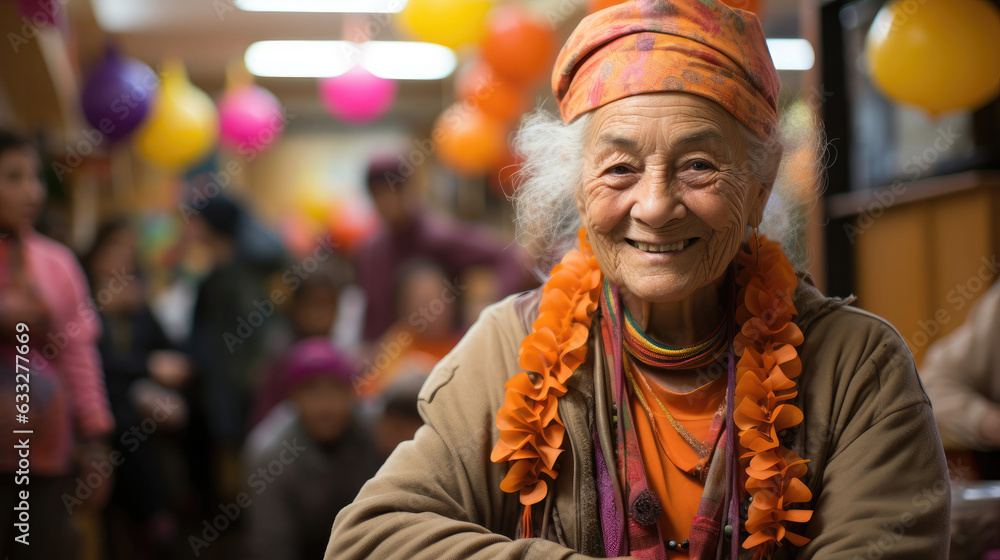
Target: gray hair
x: 552, y: 155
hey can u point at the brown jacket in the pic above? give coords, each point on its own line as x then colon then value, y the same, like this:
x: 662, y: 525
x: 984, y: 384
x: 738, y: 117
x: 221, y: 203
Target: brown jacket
x: 877, y: 470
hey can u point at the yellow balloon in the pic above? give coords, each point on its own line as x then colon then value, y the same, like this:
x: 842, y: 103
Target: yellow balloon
x: 183, y: 124
x: 451, y: 23
x: 313, y: 206
x: 941, y: 55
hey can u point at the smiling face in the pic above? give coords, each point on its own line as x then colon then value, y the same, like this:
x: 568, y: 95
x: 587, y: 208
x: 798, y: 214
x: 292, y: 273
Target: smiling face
x: 667, y: 194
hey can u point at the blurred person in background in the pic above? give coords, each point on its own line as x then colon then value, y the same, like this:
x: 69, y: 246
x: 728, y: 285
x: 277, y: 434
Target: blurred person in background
x: 425, y: 330
x: 43, y: 287
x: 312, y: 312
x: 412, y: 230
x: 961, y: 373
x: 307, y: 469
x: 399, y: 418
x: 146, y: 377
x: 233, y: 314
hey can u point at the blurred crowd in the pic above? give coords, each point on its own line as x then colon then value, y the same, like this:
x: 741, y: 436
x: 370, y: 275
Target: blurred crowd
x: 233, y: 414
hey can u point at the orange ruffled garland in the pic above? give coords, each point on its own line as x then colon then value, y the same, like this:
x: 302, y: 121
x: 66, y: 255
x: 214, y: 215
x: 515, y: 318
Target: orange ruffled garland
x: 764, y: 386
x: 531, y: 432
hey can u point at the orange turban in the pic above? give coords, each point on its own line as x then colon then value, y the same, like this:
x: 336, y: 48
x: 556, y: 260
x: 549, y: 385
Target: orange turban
x: 646, y: 46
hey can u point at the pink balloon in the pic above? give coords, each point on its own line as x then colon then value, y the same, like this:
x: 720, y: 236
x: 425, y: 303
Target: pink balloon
x: 250, y: 119
x: 41, y: 12
x: 358, y: 96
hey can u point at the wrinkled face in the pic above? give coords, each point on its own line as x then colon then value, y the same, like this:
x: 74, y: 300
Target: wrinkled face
x: 21, y: 191
x: 667, y: 194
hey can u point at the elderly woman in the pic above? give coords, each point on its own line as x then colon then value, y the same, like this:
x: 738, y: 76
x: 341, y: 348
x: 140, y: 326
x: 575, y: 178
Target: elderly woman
x: 675, y: 388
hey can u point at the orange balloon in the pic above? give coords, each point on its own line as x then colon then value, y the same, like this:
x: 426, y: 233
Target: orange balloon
x: 755, y: 6
x: 352, y: 224
x: 598, y: 5
x: 468, y: 140
x: 517, y: 44
x: 479, y: 85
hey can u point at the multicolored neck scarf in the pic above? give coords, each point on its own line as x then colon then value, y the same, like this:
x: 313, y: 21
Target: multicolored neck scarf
x: 761, y: 384
x: 642, y: 537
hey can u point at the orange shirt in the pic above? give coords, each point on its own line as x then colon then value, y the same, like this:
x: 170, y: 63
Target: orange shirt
x: 672, y: 465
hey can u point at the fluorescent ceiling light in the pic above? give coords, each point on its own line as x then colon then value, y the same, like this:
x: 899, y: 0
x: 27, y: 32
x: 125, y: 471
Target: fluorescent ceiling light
x: 394, y: 60
x: 791, y: 54
x: 323, y: 6
x: 407, y: 60
x: 128, y: 15
x: 300, y: 59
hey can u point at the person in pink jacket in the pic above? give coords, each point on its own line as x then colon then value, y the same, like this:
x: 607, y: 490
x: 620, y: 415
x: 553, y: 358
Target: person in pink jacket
x: 62, y: 464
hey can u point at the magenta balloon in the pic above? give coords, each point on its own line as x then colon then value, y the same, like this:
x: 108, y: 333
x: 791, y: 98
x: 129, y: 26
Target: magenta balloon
x: 250, y: 119
x: 357, y: 97
x: 40, y: 12
x: 117, y: 94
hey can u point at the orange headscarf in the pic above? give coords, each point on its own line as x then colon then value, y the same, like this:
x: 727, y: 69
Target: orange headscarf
x: 701, y: 47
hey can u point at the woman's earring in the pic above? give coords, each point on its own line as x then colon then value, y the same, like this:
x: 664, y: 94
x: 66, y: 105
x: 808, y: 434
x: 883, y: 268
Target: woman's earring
x: 756, y: 246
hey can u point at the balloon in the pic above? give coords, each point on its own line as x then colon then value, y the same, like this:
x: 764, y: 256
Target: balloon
x: 358, y: 96
x: 468, y: 140
x: 479, y: 86
x: 754, y: 6
x: 313, y: 206
x: 250, y: 119
x: 517, y: 45
x: 117, y: 94
x: 451, y: 23
x: 183, y: 125
x: 352, y: 224
x: 298, y: 236
x: 40, y: 12
x: 939, y: 55
x: 598, y: 5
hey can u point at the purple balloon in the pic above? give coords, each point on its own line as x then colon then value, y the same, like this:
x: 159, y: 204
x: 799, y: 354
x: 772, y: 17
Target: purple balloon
x: 118, y: 94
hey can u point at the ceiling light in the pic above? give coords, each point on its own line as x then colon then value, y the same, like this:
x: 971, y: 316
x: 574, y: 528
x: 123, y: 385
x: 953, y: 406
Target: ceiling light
x: 406, y: 60
x: 323, y: 6
x: 394, y: 60
x: 791, y: 54
x: 128, y: 15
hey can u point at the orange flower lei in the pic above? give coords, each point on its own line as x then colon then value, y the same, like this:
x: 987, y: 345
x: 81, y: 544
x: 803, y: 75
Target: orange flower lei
x: 531, y: 432
x: 764, y: 385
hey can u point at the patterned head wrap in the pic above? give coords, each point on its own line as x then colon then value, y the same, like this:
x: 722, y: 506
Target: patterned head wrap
x: 701, y: 47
